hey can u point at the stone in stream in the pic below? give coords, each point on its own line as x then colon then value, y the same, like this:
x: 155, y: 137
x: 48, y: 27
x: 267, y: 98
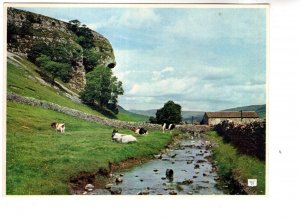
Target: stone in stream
x: 159, y: 156
x: 174, y: 155
x: 186, y: 182
x: 194, y: 177
x: 145, y: 192
x: 108, y: 186
x: 89, y: 187
x: 101, y: 192
x: 155, y: 170
x: 207, y: 143
x: 115, y: 190
x: 163, y: 178
x: 119, y: 180
x: 169, y: 173
x: 141, y: 180
x: 189, y: 162
x: 197, y: 166
x: 204, y: 174
x: 190, y: 193
x: 173, y: 192
x: 201, y: 161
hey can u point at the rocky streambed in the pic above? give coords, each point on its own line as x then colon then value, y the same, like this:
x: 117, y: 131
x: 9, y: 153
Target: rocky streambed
x: 183, y: 170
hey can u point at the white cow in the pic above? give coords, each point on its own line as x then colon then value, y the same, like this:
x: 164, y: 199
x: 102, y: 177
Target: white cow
x: 122, y: 137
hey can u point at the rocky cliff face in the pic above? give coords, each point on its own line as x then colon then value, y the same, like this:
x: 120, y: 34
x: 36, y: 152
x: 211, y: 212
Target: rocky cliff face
x: 26, y: 28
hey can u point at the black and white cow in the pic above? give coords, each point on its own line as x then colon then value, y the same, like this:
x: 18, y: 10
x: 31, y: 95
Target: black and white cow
x: 58, y: 126
x: 166, y: 126
x: 140, y: 131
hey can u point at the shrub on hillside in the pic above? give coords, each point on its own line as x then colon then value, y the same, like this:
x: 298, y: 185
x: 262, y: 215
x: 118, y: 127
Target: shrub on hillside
x: 54, y: 69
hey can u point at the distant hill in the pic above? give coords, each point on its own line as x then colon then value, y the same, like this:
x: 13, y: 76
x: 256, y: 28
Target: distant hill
x: 130, y: 116
x: 259, y: 109
x: 197, y: 116
x: 186, y: 115
x: 148, y: 113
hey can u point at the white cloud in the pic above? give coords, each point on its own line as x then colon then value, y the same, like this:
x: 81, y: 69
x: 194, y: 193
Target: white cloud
x: 133, y: 18
x: 220, y: 24
x: 157, y: 75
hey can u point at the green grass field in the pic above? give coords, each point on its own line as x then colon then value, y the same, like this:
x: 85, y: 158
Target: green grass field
x: 241, y: 167
x: 41, y: 160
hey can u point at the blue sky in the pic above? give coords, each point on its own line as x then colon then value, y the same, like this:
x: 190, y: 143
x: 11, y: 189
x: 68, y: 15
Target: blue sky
x: 205, y: 59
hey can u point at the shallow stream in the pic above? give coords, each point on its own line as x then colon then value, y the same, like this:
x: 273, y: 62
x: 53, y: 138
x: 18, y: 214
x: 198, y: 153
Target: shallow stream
x: 194, y: 174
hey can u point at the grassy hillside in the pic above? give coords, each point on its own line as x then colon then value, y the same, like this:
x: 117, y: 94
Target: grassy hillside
x: 129, y: 116
x: 22, y: 79
x: 41, y: 160
x: 150, y: 112
x: 259, y: 109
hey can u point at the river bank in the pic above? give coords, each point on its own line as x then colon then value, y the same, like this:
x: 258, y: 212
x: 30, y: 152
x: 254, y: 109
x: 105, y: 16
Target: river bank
x: 234, y: 169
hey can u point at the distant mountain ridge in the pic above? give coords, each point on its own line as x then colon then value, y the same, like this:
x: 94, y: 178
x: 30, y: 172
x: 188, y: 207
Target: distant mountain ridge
x: 197, y: 116
x: 259, y: 109
x: 152, y: 112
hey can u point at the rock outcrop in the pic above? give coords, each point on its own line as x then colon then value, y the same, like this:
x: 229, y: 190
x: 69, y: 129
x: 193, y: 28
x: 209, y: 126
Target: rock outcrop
x: 26, y: 28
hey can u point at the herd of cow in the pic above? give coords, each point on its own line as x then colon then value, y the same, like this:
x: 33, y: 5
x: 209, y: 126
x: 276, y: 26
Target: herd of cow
x: 118, y: 137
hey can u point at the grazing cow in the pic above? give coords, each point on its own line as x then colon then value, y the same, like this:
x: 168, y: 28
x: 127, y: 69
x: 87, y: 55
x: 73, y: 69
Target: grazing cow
x: 166, y: 126
x: 58, y: 126
x: 117, y: 137
x: 140, y: 131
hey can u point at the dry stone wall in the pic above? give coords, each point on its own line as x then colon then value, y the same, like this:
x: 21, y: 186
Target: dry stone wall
x: 93, y: 118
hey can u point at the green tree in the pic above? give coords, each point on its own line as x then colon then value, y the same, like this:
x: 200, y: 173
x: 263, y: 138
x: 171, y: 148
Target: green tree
x: 75, y: 22
x: 38, y: 49
x: 102, y: 88
x: 74, y: 25
x: 90, y: 59
x: 169, y: 113
x: 54, y: 69
x: 152, y: 119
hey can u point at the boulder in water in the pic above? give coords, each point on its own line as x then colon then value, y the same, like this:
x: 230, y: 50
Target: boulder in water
x: 115, y: 190
x: 169, y: 173
x: 89, y: 187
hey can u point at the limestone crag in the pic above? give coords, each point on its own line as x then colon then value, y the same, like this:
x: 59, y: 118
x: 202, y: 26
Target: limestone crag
x: 26, y: 29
